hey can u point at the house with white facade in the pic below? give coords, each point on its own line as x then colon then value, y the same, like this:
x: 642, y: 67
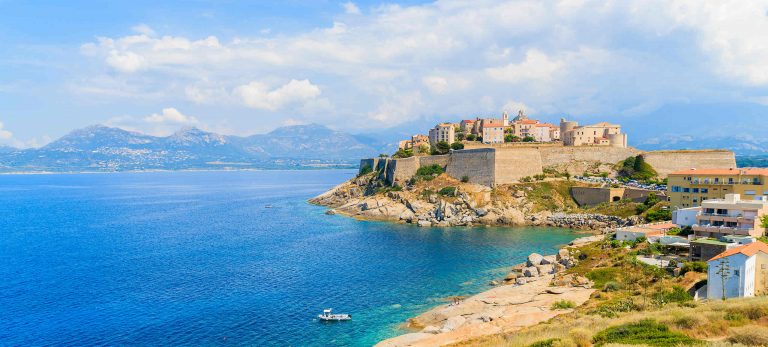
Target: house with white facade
x: 738, y: 272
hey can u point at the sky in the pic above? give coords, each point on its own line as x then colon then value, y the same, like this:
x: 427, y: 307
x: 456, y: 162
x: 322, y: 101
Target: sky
x: 663, y: 67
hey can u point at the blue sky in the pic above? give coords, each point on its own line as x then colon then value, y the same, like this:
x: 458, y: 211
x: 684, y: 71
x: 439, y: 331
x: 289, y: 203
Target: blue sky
x: 672, y: 68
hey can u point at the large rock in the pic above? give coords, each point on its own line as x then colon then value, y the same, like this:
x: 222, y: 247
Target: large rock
x: 563, y: 254
x: 545, y: 269
x: 534, y: 259
x: 531, y: 272
x: 549, y: 259
x: 453, y: 323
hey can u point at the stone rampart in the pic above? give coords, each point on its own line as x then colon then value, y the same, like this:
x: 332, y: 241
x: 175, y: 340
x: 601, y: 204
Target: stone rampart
x: 477, y: 164
x: 556, y: 155
x: 666, y: 162
x: 512, y: 164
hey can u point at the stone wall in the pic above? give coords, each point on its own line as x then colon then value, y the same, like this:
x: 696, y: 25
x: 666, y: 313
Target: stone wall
x: 441, y: 160
x: 512, y: 164
x: 476, y: 164
x: 666, y: 162
x: 553, y: 155
x: 401, y: 170
x: 591, y: 196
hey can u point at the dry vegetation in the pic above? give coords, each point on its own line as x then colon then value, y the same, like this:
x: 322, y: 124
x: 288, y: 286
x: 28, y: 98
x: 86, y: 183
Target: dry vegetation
x: 640, y: 305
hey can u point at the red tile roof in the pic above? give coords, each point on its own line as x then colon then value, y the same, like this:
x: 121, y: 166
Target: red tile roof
x: 729, y: 171
x: 748, y: 250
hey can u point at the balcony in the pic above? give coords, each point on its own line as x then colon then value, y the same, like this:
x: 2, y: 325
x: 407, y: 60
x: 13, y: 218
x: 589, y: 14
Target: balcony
x: 726, y: 183
x: 742, y: 231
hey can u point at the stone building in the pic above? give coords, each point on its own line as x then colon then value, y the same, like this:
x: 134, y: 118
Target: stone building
x: 442, y: 132
x: 600, y: 134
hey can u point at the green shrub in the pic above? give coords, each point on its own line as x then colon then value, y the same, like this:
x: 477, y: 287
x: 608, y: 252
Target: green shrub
x: 465, y: 179
x: 695, y: 266
x: 734, y: 316
x: 366, y: 169
x: 636, y: 168
x: 441, y: 147
x: 457, y: 146
x: 403, y: 153
x: 676, y: 294
x: 612, y: 286
x: 529, y: 139
x: 544, y: 343
x: 563, y: 305
x: 539, y: 177
x: 658, y: 215
x: 611, y: 309
x: 429, y: 172
x: 471, y: 137
x: 447, y: 191
x: 602, y: 276
x: 526, y: 179
x: 644, y: 332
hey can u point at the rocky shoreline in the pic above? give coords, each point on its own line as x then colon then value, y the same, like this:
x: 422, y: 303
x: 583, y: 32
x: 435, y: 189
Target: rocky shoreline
x: 525, y: 298
x: 468, y: 205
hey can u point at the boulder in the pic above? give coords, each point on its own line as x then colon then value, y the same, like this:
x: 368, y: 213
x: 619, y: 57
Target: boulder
x: 549, y: 259
x: 534, y: 259
x: 556, y: 291
x: 563, y: 254
x: 330, y: 212
x: 520, y: 281
x: 431, y: 330
x: 424, y: 223
x: 531, y: 272
x: 481, y: 212
x: 511, y: 276
x: 453, y: 323
x: 546, y: 269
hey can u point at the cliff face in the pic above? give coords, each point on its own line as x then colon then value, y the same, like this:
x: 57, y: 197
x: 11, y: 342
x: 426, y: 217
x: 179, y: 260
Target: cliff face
x: 444, y: 201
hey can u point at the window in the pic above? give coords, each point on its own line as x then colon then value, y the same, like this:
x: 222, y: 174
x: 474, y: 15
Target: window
x: 686, y: 190
x: 695, y: 190
x: 735, y: 272
x: 705, y: 190
x: 749, y: 192
x: 677, y: 189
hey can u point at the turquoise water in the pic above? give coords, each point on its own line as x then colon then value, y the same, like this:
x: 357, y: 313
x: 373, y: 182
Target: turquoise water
x: 195, y: 258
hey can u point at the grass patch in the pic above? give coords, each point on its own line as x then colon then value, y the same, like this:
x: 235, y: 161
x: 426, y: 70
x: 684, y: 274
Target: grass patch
x: 563, y: 305
x: 447, y: 191
x: 429, y: 172
x: 645, y: 332
x: 545, y: 343
x: 603, y: 275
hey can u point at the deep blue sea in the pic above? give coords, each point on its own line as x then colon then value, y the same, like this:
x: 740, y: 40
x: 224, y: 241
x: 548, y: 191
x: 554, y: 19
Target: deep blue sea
x: 195, y: 258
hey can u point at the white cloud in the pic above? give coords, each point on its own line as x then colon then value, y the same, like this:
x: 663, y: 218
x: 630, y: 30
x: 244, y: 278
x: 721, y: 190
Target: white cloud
x: 351, y: 8
x: 170, y: 115
x: 5, y: 134
x: 143, y: 29
x: 513, y: 107
x: 257, y: 94
x: 396, y: 63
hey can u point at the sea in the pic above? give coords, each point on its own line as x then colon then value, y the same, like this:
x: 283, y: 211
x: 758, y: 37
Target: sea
x: 227, y: 258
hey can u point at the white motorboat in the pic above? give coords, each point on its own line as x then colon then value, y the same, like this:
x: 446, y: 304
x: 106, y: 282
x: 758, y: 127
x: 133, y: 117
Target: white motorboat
x: 329, y: 316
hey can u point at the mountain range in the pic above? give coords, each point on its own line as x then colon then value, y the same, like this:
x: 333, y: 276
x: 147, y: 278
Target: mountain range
x: 100, y: 148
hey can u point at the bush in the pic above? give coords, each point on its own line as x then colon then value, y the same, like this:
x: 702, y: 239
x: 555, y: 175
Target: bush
x: 403, y: 153
x: 658, y: 215
x: 644, y: 332
x: 511, y: 138
x: 471, y: 137
x: 563, y: 305
x: 612, y: 286
x: 545, y: 343
x: 581, y: 337
x: 465, y: 179
x: 677, y: 294
x: 366, y: 169
x: 429, y: 172
x: 539, y: 177
x: 447, y: 191
x: 612, y: 309
x: 750, y: 336
x: 636, y: 168
x: 441, y: 147
x: 529, y: 139
x: 457, y: 146
x: 695, y: 266
x: 526, y: 179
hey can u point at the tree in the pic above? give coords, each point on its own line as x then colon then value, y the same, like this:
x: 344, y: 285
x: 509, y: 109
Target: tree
x: 529, y: 139
x: 471, y: 137
x: 382, y: 155
x: 424, y: 149
x: 441, y: 147
x: 460, y: 137
x: 403, y: 153
x: 511, y: 138
x: 764, y: 221
x: 724, y: 271
x: 457, y: 146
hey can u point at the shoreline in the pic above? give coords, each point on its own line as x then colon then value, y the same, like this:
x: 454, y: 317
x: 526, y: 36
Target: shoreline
x: 521, y: 300
x: 22, y: 173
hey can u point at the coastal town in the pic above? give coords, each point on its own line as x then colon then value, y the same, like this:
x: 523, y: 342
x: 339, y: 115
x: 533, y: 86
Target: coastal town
x: 693, y: 216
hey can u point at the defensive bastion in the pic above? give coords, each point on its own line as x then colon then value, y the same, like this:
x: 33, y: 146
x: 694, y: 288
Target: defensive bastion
x: 496, y: 165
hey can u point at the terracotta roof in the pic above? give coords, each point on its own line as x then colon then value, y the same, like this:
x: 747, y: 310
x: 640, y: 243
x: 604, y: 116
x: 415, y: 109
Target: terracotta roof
x: 748, y: 250
x: 527, y: 121
x: 651, y: 229
x: 729, y: 171
x: 468, y: 121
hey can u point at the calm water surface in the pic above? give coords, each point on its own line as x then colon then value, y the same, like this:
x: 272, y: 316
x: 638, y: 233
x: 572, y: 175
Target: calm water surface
x: 195, y: 258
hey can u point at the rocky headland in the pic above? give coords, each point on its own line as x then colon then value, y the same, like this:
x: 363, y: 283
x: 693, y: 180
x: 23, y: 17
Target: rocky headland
x: 444, y: 201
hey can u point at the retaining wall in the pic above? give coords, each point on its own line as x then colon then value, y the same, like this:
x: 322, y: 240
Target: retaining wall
x: 477, y: 164
x: 666, y: 162
x: 513, y: 164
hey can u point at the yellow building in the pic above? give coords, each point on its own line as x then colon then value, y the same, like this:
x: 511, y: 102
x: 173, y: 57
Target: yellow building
x: 688, y: 188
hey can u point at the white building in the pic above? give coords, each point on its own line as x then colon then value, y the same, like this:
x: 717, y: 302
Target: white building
x: 685, y: 217
x: 742, y: 271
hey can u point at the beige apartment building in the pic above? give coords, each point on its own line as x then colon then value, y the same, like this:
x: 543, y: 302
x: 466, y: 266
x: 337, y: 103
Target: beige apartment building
x: 689, y: 188
x: 731, y: 216
x: 600, y: 134
x: 493, y: 131
x: 442, y: 132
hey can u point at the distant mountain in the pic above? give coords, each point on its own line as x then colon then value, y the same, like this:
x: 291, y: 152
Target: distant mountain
x: 102, y: 148
x: 741, y: 145
x: 7, y: 149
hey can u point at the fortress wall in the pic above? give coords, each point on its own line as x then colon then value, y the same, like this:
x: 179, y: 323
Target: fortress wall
x: 666, y: 162
x: 401, y: 170
x: 441, y: 160
x: 371, y: 163
x: 552, y: 156
x: 640, y: 195
x: 590, y: 196
x: 476, y: 164
x: 512, y: 164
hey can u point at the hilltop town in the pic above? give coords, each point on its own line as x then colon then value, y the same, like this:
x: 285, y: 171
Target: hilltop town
x: 690, y: 223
